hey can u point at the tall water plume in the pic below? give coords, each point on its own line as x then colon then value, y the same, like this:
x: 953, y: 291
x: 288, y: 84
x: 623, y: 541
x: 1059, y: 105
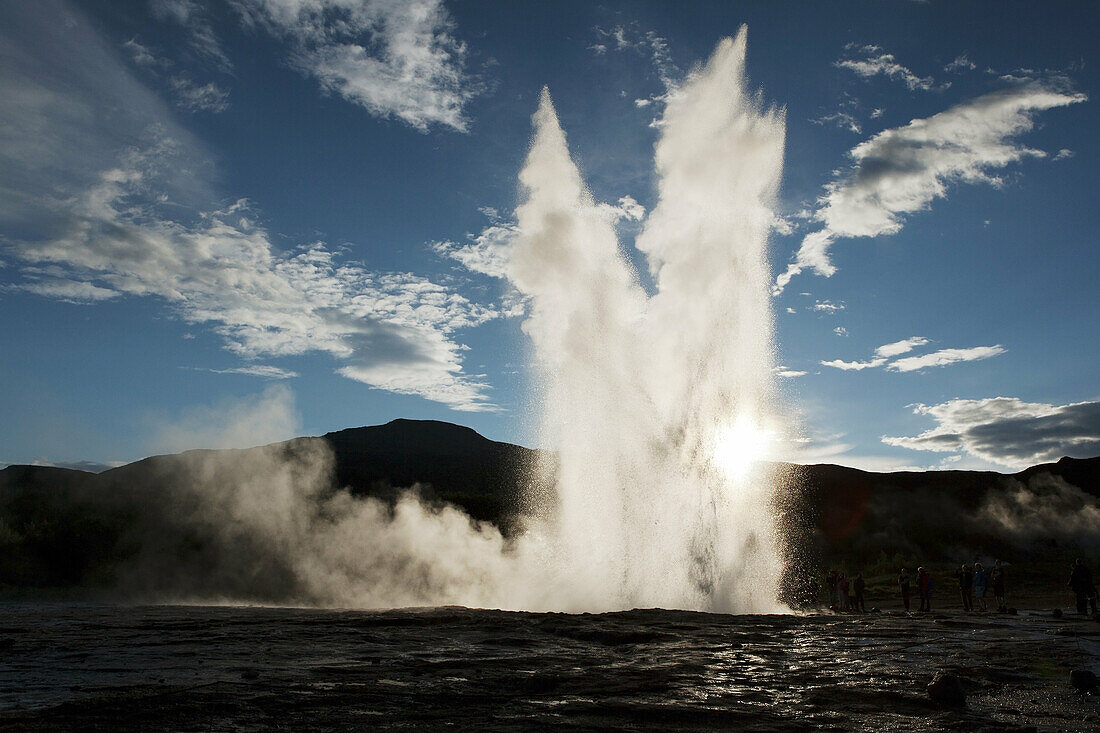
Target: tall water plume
x: 658, y: 403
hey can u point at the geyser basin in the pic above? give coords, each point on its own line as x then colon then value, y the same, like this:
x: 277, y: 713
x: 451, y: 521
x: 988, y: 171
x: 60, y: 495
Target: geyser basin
x: 655, y: 402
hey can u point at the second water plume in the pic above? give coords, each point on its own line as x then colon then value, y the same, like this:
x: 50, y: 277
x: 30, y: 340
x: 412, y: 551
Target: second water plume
x: 657, y: 402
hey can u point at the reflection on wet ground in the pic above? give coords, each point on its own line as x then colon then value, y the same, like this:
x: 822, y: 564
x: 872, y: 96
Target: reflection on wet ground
x: 70, y: 666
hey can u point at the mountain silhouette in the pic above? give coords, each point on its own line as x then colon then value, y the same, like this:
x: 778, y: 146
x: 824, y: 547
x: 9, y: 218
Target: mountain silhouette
x: 66, y: 528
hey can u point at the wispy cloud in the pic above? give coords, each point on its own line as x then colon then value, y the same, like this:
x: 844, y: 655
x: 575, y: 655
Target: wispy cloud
x: 902, y: 170
x: 787, y: 372
x: 191, y: 16
x: 842, y: 119
x: 394, y: 59
x: 194, y: 97
x: 872, y: 61
x: 1008, y: 431
x: 1064, y: 154
x: 71, y: 291
x: 961, y: 63
x: 945, y: 357
x: 142, y: 55
x: 632, y: 38
x: 883, y: 355
x: 845, y: 116
x: 122, y: 206
x: 392, y: 331
x: 254, y: 370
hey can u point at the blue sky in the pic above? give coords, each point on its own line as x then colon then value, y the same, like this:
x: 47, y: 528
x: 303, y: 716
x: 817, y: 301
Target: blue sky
x: 231, y: 222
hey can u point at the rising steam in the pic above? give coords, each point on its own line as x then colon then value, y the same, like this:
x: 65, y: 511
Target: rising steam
x: 641, y: 390
x: 656, y: 403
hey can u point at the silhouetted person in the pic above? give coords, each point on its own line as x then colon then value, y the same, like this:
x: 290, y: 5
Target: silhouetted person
x: 903, y: 583
x: 858, y: 586
x: 842, y: 592
x: 924, y: 586
x: 980, y: 582
x: 831, y: 583
x: 966, y: 587
x: 997, y: 580
x: 1080, y: 582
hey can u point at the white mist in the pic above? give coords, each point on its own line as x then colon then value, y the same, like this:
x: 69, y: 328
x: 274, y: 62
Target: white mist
x: 657, y: 405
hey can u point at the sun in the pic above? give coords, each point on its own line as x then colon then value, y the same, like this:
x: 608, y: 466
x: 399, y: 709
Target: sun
x: 739, y: 445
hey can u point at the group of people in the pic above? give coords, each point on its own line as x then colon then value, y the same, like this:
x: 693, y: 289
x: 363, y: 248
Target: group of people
x: 846, y: 594
x: 974, y: 582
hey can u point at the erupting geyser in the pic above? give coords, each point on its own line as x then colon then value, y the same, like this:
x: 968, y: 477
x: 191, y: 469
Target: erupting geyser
x: 658, y: 403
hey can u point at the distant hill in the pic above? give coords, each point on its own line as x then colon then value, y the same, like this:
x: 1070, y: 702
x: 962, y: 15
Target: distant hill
x: 199, y: 519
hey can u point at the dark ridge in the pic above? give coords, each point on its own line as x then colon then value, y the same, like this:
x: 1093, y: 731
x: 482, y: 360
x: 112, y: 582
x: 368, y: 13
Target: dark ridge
x: 419, y: 437
x: 45, y: 476
x: 68, y: 528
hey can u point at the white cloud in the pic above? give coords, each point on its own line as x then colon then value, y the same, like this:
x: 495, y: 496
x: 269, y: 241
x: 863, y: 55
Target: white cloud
x: 945, y: 357
x: 854, y: 365
x: 840, y: 331
x: 193, y: 97
x: 110, y: 195
x: 1064, y: 154
x: 843, y: 120
x: 1008, y: 431
x: 72, y: 291
x: 392, y: 331
x: 961, y: 63
x: 784, y: 226
x: 874, y: 62
x: 898, y: 348
x: 902, y: 170
x: 256, y: 370
x: 787, y: 372
x: 829, y: 307
x: 883, y: 354
x: 486, y: 253
x: 632, y: 38
x: 395, y: 59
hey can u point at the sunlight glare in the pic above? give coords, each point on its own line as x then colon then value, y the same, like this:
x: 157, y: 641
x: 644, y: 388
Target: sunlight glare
x: 740, y: 445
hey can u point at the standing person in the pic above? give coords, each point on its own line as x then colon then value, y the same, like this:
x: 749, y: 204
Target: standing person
x: 980, y: 581
x: 924, y: 585
x: 858, y: 585
x: 830, y: 583
x: 966, y: 586
x: 903, y: 583
x: 1080, y: 582
x: 997, y: 579
x: 842, y: 591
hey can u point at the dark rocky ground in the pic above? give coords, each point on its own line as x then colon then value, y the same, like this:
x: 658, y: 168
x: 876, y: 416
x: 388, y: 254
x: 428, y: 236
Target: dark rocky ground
x: 102, y: 667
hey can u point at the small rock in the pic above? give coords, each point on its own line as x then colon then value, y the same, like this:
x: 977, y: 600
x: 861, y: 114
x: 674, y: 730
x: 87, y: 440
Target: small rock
x: 1083, y: 680
x: 250, y: 674
x: 947, y: 689
x: 1056, y: 613
x: 1096, y: 617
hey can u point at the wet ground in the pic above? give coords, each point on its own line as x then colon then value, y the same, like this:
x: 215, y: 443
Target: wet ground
x: 81, y: 667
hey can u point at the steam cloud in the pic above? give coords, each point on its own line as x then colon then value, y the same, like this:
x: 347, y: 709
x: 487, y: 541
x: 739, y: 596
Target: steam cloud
x: 643, y: 394
x: 639, y: 390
